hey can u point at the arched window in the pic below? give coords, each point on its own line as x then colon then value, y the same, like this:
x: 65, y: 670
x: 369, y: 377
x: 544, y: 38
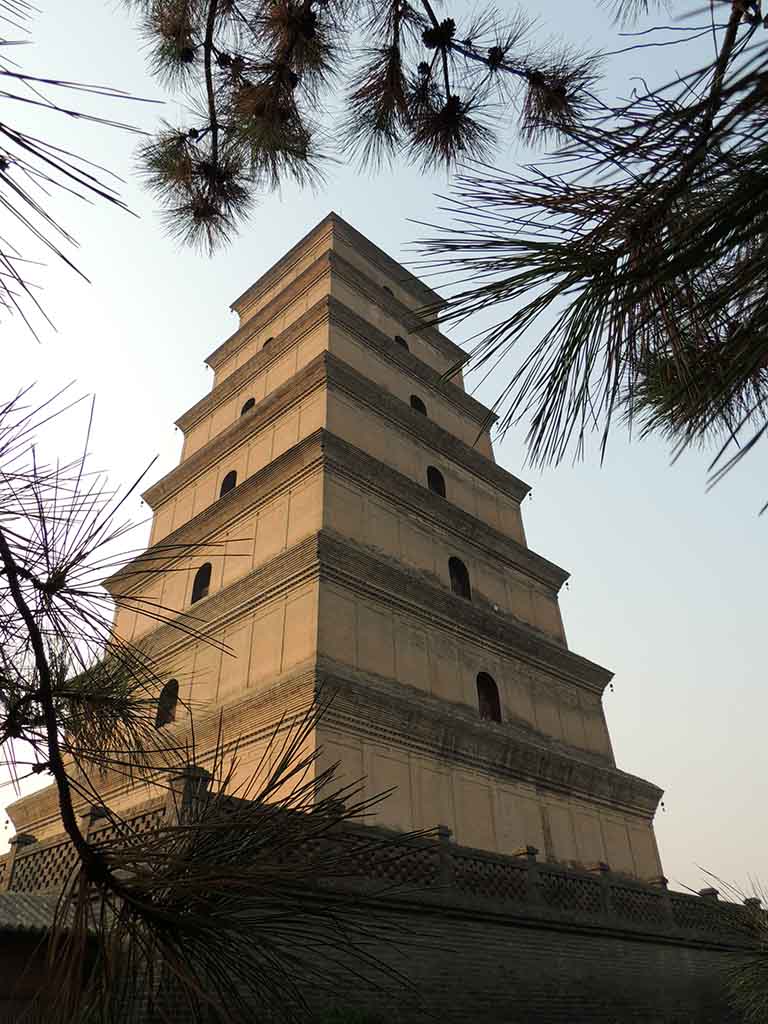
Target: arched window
x: 400, y: 340
x: 459, y: 578
x: 166, y: 704
x: 202, y: 582
x: 418, y: 405
x: 248, y: 406
x: 269, y: 341
x: 435, y: 481
x: 228, y: 483
x: 388, y: 290
x: 488, y: 698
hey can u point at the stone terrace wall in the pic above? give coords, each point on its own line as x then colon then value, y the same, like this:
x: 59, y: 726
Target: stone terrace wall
x: 471, y: 965
x: 489, y: 939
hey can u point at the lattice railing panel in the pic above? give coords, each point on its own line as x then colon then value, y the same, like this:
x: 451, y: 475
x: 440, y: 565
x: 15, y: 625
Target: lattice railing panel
x: 46, y: 868
x: 413, y: 865
x: 639, y: 906
x: 483, y: 876
x: 140, y: 823
x: 696, y: 914
x: 439, y: 865
x: 570, y: 893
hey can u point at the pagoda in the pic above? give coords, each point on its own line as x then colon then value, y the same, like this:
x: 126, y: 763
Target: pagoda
x: 337, y: 524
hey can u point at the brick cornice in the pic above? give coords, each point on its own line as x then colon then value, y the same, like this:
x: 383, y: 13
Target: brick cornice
x: 308, y: 379
x: 319, y: 237
x: 292, y: 291
x: 326, y: 228
x: 330, y: 262
x: 285, y: 572
x: 375, y: 294
x: 389, y: 713
x: 343, y: 315
x: 368, y: 472
x: 421, y: 292
x: 395, y: 715
x: 324, y: 450
x: 326, y: 556
x: 367, y: 572
x: 277, y: 477
x: 327, y: 368
x: 315, y: 316
x: 422, y: 428
x: 330, y: 310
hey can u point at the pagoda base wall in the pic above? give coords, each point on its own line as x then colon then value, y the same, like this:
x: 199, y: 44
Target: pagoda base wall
x: 468, y: 965
x: 478, y: 938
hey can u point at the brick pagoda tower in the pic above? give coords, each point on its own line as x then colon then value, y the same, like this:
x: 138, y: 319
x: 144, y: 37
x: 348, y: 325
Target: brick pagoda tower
x: 353, y: 532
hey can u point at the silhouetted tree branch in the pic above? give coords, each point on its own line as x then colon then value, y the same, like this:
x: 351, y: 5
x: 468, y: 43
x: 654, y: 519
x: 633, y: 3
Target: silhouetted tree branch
x: 633, y: 259
x: 204, y: 909
x: 259, y: 73
x: 32, y: 169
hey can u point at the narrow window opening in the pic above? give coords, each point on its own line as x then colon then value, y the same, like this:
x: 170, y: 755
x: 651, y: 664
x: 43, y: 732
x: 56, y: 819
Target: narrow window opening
x: 435, y: 481
x: 228, y: 483
x: 488, y: 698
x: 400, y: 340
x: 248, y: 406
x: 202, y: 582
x: 418, y: 405
x: 459, y: 578
x: 166, y: 704
x: 388, y: 290
x: 269, y: 341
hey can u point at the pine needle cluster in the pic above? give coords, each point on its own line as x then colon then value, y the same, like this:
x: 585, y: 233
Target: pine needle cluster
x: 259, y: 76
x: 220, y: 910
x: 641, y: 247
x: 32, y: 170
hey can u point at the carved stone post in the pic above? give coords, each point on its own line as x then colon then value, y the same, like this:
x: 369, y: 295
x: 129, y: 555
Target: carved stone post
x: 17, y: 844
x: 91, y: 818
x: 662, y: 883
x: 604, y: 873
x: 530, y: 853
x: 712, y: 895
x: 754, y: 916
x: 186, y: 789
x: 446, y: 871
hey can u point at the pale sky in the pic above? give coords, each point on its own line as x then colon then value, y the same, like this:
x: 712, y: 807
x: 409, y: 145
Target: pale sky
x: 667, y: 581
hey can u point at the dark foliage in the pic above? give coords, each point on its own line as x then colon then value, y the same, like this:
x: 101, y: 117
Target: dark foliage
x: 32, y: 169
x: 640, y: 246
x: 220, y: 904
x: 260, y: 74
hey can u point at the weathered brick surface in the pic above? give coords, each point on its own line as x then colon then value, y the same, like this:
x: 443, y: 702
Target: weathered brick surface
x: 488, y: 939
x: 469, y: 967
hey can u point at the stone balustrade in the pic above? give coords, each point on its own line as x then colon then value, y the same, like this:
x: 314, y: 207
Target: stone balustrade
x: 434, y: 866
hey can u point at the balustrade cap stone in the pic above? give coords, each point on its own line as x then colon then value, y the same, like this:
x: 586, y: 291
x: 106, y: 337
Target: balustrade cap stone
x: 531, y: 852
x: 599, y: 867
x: 22, y: 839
x: 709, y: 894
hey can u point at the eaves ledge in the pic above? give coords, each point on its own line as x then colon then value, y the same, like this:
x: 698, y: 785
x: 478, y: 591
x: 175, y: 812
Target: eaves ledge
x: 319, y: 450
x: 332, y: 224
x: 364, y: 571
x: 331, y: 263
x: 328, y: 557
x: 331, y: 311
x: 393, y: 714
x: 327, y: 369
